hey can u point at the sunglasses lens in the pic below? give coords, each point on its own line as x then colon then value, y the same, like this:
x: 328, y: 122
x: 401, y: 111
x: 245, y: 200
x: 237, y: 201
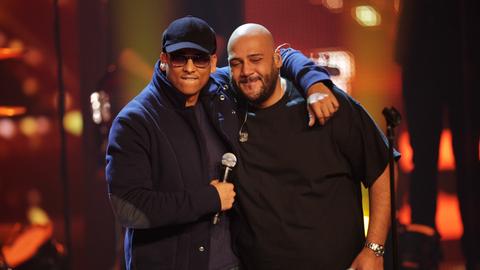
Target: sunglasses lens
x: 200, y: 61
x: 178, y: 60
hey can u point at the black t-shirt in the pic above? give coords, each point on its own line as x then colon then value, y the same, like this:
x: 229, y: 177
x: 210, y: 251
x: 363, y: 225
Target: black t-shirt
x: 299, y: 188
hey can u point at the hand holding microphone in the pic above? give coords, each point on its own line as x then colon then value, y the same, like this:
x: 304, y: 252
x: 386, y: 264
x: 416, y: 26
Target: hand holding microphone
x: 225, y: 190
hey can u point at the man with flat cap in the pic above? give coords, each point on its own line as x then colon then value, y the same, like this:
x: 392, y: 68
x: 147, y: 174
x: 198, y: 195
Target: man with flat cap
x: 165, y: 148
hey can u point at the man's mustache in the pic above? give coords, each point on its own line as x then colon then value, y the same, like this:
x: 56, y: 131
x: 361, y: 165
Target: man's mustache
x: 248, y: 79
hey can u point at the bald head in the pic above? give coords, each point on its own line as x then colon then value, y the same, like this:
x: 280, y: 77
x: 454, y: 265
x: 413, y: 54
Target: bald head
x: 251, y: 31
x: 254, y: 64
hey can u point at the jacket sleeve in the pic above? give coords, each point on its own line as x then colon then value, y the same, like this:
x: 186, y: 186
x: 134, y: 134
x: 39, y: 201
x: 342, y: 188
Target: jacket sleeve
x: 301, y: 70
x: 134, y: 200
x: 221, y: 75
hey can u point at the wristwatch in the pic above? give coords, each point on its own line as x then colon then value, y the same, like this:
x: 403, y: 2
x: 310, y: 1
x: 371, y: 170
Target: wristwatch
x: 376, y: 248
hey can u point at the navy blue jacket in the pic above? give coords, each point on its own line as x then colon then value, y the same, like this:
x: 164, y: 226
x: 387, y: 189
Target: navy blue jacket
x: 157, y: 167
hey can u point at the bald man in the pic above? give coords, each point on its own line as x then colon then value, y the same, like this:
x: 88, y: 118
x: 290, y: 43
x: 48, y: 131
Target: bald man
x: 299, y: 189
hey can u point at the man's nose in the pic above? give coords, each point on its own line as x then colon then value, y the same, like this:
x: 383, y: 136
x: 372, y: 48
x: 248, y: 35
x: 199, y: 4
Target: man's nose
x: 247, y: 69
x: 189, y: 66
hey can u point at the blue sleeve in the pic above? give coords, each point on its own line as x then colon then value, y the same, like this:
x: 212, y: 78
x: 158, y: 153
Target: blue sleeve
x: 221, y: 75
x: 301, y: 70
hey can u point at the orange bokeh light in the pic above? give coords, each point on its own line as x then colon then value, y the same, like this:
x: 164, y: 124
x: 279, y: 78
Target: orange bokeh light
x: 446, y: 160
x: 448, y: 219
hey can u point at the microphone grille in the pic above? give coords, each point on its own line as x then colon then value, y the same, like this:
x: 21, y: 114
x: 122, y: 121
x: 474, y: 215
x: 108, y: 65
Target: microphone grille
x: 229, y: 160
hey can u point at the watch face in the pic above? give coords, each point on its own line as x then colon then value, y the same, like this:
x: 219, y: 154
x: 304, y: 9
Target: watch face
x: 379, y: 250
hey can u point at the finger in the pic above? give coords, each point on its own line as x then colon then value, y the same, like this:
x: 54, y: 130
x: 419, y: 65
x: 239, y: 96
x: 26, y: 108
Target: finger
x: 213, y: 182
x: 311, y: 118
x: 334, y: 102
x: 325, y: 110
x: 322, y: 121
x: 331, y: 107
x: 319, y: 114
x: 317, y: 110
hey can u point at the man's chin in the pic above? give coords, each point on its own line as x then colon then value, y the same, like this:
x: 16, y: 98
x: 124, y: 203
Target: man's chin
x: 252, y: 97
x: 189, y: 90
x: 251, y: 91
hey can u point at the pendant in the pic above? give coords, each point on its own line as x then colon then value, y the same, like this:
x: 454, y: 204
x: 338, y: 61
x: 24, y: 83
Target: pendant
x: 243, y: 136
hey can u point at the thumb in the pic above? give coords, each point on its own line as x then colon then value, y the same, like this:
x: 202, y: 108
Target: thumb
x: 311, y: 117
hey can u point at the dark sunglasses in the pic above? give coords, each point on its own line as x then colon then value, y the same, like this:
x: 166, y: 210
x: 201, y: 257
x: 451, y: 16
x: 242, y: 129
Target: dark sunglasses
x: 200, y: 60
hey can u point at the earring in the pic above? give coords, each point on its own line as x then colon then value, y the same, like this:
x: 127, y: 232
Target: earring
x: 162, y: 66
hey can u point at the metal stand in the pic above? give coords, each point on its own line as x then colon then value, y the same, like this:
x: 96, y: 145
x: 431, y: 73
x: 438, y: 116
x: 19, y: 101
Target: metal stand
x: 392, y: 116
x: 63, y: 138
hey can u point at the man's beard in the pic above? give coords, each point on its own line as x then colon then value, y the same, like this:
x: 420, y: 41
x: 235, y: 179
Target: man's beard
x: 269, y: 82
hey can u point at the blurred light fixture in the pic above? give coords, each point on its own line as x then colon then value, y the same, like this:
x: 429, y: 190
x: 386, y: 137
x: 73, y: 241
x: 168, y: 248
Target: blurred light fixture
x: 33, y: 57
x: 100, y: 105
x: 73, y: 122
x: 446, y: 158
x: 30, y: 86
x: 43, y: 125
x: 7, y: 128
x: 7, y: 53
x: 367, y: 16
x: 339, y: 63
x: 16, y: 44
x: 333, y: 5
x: 10, y: 111
x: 28, y: 126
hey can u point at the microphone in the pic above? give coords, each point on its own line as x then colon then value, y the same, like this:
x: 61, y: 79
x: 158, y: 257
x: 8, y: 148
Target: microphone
x: 229, y: 160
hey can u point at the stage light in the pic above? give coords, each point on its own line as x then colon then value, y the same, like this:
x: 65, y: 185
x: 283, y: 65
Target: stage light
x: 73, y: 122
x: 43, y: 125
x: 7, y: 128
x: 333, y: 5
x: 446, y: 158
x: 95, y: 103
x: 10, y: 111
x: 406, y: 162
x: 28, y: 126
x: 16, y: 44
x: 448, y: 220
x: 30, y: 86
x: 339, y: 63
x: 367, y: 16
x: 37, y: 216
x: 33, y: 57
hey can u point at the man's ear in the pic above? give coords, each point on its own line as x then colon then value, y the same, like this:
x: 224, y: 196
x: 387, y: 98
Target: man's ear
x: 163, y: 61
x: 277, y: 59
x: 213, y: 63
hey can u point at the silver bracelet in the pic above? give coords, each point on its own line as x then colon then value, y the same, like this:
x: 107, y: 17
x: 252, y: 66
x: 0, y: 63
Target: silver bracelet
x: 315, y: 97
